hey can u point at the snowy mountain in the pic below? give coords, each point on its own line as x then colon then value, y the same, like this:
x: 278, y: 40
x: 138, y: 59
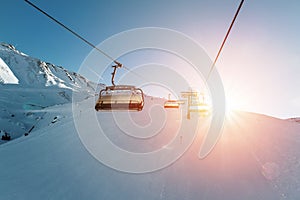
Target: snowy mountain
x: 28, y: 86
x: 34, y: 73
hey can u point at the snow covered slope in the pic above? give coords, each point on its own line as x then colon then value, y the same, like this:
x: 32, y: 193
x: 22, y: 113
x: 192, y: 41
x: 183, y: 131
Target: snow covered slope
x: 35, y: 73
x: 257, y: 157
x: 6, y: 75
x: 295, y: 119
x: 40, y: 85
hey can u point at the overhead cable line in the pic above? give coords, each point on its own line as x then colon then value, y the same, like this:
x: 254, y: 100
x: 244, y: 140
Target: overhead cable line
x: 226, y: 36
x: 73, y: 32
x: 84, y: 40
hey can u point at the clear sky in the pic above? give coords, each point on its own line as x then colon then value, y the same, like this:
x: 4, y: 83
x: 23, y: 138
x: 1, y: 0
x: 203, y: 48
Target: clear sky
x: 259, y: 65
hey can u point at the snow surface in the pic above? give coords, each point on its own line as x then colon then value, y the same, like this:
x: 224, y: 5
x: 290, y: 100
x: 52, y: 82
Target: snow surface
x: 294, y: 119
x: 257, y: 157
x: 6, y: 75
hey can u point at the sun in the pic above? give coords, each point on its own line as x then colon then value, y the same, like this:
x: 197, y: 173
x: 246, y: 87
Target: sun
x: 231, y: 104
x: 234, y: 102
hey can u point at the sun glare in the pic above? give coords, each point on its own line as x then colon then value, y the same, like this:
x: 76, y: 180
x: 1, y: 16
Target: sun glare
x: 233, y: 103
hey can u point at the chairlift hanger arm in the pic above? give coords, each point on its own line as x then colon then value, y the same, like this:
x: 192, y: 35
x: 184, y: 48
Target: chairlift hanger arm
x: 114, y: 73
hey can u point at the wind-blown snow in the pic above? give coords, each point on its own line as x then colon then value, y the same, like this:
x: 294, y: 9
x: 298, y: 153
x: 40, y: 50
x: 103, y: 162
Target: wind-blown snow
x: 6, y: 75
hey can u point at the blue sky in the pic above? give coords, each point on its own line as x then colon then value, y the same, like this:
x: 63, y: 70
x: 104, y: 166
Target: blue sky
x: 259, y: 65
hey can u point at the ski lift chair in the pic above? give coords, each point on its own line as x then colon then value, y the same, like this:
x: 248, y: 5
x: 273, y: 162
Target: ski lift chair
x: 120, y: 97
x: 171, y: 104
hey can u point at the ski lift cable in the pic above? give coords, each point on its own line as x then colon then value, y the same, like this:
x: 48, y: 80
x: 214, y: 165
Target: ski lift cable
x: 82, y: 38
x: 73, y: 32
x: 136, y: 74
x: 111, y: 58
x: 226, y: 36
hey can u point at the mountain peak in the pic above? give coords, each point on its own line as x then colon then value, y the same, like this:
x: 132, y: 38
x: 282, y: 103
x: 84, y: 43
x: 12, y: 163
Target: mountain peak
x: 10, y: 47
x: 33, y: 72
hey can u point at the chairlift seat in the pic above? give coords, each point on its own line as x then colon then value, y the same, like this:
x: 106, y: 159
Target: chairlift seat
x: 120, y: 97
x: 171, y: 104
x: 200, y: 107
